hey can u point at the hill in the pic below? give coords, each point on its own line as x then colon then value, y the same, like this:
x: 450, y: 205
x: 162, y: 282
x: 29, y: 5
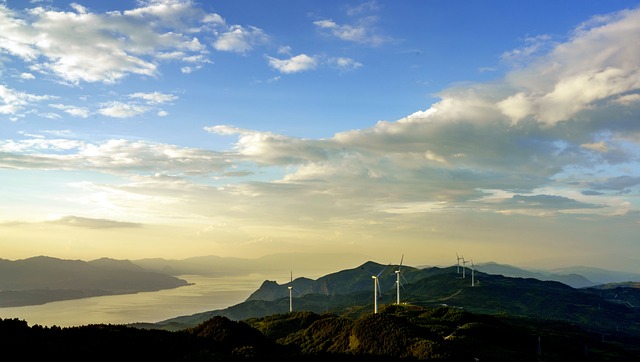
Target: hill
x: 350, y: 293
x: 396, y: 333
x: 43, y: 279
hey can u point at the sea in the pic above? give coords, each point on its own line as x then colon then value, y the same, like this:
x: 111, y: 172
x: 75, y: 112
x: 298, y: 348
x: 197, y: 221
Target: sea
x: 205, y: 294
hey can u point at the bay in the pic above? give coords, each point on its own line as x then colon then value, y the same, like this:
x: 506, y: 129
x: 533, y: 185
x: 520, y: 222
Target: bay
x: 205, y: 294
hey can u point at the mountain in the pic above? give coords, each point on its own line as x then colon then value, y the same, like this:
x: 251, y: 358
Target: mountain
x: 303, y: 263
x: 349, y: 293
x: 599, y: 275
x: 574, y: 279
x: 42, y: 279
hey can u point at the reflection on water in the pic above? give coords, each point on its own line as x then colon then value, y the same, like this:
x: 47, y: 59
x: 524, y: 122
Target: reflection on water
x: 208, y: 293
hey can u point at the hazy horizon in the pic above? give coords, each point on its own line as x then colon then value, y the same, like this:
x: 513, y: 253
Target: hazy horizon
x: 502, y: 131
x: 312, y: 265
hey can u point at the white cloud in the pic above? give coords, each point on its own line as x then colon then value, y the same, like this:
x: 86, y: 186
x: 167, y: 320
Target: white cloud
x: 122, y: 110
x: 13, y: 101
x: 154, y: 97
x: 115, y: 156
x: 298, y: 63
x: 598, y: 146
x: 596, y: 64
x: 239, y: 39
x: 628, y: 99
x: 82, y: 46
x: 362, y: 33
x: 81, y: 112
x: 344, y: 63
x: 214, y: 19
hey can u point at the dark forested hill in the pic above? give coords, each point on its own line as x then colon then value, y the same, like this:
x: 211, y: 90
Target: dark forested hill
x: 396, y: 333
x: 42, y: 279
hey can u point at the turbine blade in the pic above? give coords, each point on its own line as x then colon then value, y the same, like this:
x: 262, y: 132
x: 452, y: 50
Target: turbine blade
x: 382, y: 270
x: 405, y: 279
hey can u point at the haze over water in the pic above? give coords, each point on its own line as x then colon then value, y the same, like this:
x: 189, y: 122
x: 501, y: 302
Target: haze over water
x: 208, y: 293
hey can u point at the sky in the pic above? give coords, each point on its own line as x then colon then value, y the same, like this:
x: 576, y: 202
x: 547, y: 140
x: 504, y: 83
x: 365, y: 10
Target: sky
x: 504, y: 131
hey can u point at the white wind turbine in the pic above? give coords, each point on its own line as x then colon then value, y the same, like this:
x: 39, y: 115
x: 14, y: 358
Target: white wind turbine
x: 458, y: 257
x: 291, y: 293
x: 473, y: 274
x: 376, y: 286
x: 376, y: 291
x: 398, y: 281
x: 464, y: 266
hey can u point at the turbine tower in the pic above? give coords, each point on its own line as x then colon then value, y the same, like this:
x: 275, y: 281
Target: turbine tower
x: 464, y: 266
x: 376, y: 283
x: 291, y: 293
x: 459, y: 258
x: 398, y: 281
x: 473, y: 274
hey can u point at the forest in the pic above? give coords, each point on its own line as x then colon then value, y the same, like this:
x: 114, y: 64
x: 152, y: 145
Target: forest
x: 396, y: 332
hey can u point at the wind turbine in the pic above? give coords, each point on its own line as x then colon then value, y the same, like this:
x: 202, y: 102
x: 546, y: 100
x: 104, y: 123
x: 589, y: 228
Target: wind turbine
x: 473, y: 275
x: 398, y: 281
x: 376, y: 291
x: 376, y: 286
x: 464, y: 266
x: 458, y: 256
x: 291, y: 293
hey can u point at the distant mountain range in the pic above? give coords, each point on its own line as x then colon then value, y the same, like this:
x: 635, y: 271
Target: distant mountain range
x: 302, y: 263
x: 42, y: 279
x: 575, y: 276
x: 321, y: 264
x: 349, y: 292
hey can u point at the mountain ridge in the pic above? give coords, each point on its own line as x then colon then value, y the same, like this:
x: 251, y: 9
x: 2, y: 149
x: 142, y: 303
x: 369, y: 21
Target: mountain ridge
x: 42, y: 279
x: 349, y: 293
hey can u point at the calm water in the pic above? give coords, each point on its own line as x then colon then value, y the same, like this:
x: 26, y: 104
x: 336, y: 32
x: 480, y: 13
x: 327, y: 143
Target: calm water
x: 208, y: 293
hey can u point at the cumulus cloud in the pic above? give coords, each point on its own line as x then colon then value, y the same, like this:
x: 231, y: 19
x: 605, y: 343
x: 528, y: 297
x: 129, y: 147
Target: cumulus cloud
x: 122, y: 110
x: 270, y: 148
x: 295, y: 64
x: 84, y: 46
x: 363, y: 32
x: 81, y: 112
x: 594, y: 66
x: 239, y: 39
x: 155, y: 97
x: 13, y: 101
x: 114, y: 156
x: 139, y: 103
x: 343, y: 63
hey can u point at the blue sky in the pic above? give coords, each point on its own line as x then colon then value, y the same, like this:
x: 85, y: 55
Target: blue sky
x: 501, y: 130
